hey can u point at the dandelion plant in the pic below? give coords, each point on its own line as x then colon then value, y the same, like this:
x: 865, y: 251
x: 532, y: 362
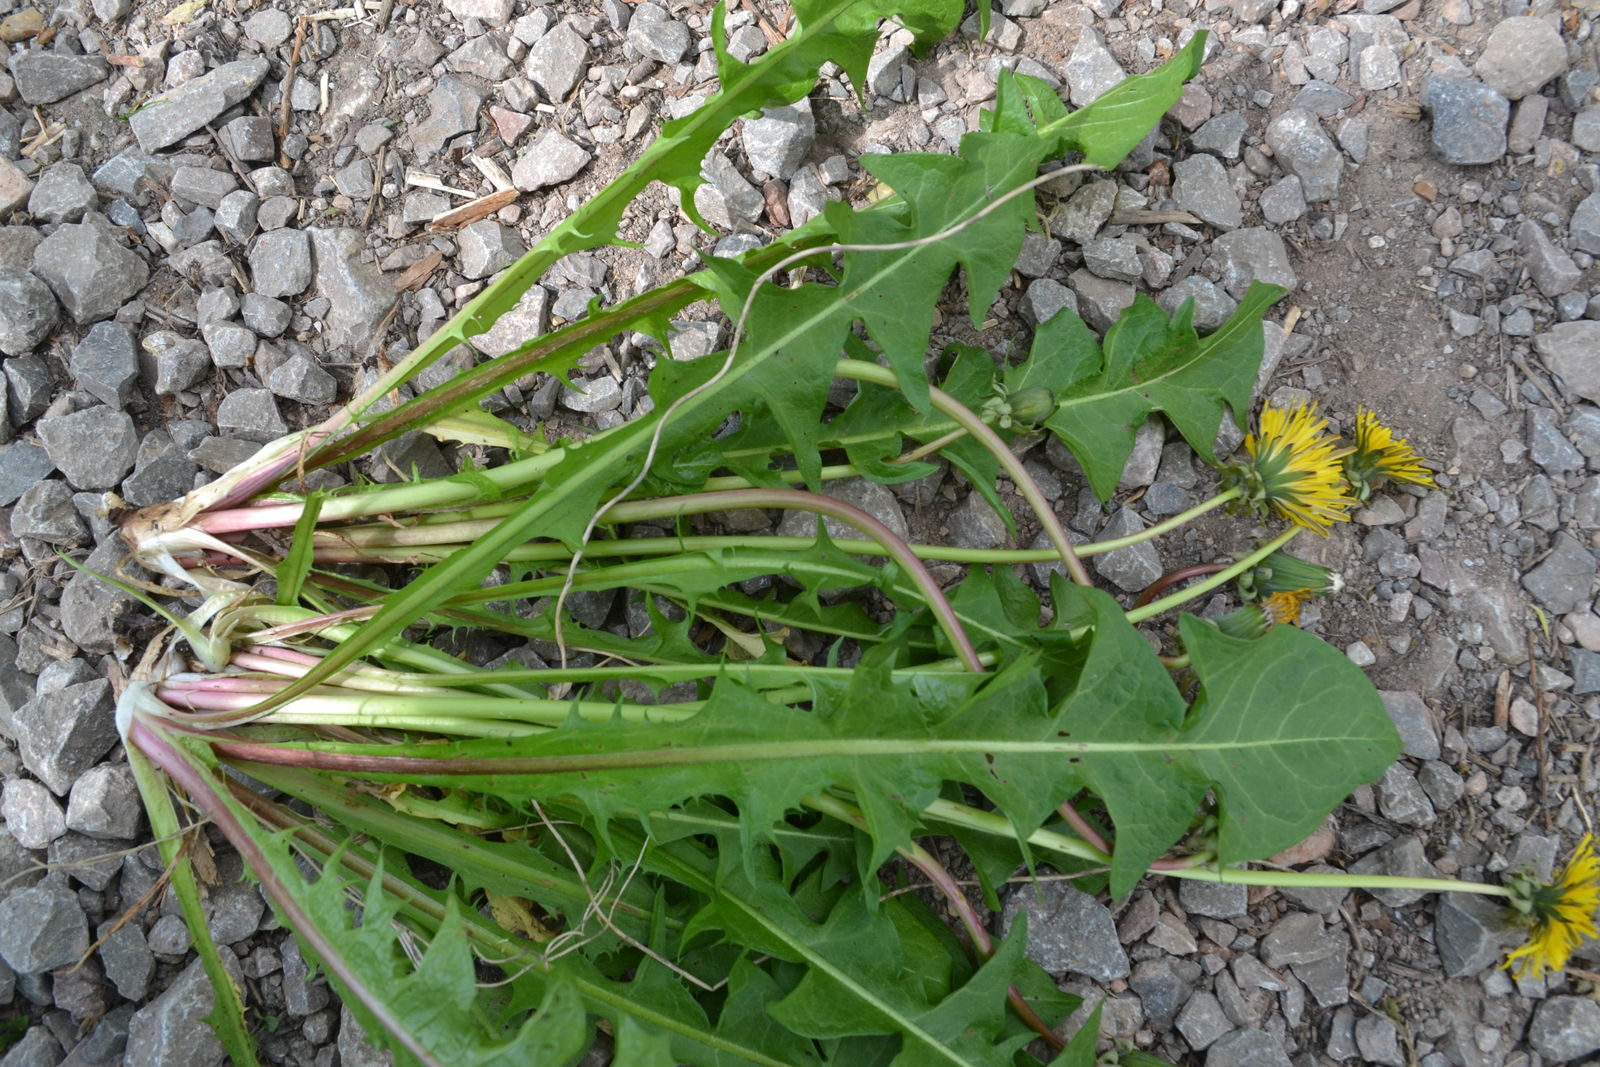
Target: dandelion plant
x: 699, y: 835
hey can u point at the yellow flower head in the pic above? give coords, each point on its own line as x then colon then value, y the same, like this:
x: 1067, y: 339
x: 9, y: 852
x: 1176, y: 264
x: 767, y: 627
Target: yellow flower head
x: 1378, y: 455
x: 1559, y: 915
x: 1295, y: 469
x: 1284, y: 608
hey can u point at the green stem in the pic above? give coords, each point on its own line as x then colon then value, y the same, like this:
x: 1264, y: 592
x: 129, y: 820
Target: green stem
x: 1095, y: 548
x: 968, y: 420
x: 1183, y: 596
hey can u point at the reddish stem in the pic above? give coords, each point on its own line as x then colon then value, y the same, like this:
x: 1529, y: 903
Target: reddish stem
x: 1179, y: 575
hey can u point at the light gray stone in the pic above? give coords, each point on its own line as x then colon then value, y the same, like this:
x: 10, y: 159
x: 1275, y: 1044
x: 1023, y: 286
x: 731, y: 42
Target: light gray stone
x: 1068, y: 931
x: 172, y: 1029
x: 105, y: 362
x: 1414, y: 721
x: 550, y: 160
x: 1568, y: 349
x: 45, y: 513
x: 654, y: 34
x: 175, y: 114
x: 1221, y: 135
x: 62, y: 194
x: 557, y: 61
x: 1247, y: 1048
x: 1552, y: 270
x: 1521, y: 55
x: 1283, y: 201
x: 359, y: 295
x: 33, y: 816
x: 1303, y: 149
x: 1134, y: 567
x: 453, y: 107
x: 876, y: 500
x: 280, y: 263
x: 1563, y: 581
x: 778, y: 142
x: 21, y: 465
x: 1091, y: 69
x: 251, y: 414
x: 300, y: 378
x: 1565, y: 1028
x: 91, y: 608
x: 1253, y: 254
x: 1201, y: 187
x: 104, y: 803
x: 1080, y: 218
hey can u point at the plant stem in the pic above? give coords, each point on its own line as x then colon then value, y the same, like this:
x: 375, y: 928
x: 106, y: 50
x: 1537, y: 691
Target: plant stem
x: 1174, y: 577
x: 1167, y: 525
x: 1183, y: 596
x: 968, y: 420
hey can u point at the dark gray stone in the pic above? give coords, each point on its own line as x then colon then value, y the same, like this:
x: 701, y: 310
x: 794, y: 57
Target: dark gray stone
x: 1562, y: 582
x: 91, y: 608
x: 105, y: 364
x: 1080, y: 218
x: 1220, y: 135
x: 265, y: 315
x: 1068, y: 931
x: 1215, y: 900
x: 974, y: 524
x: 28, y: 311
x: 1202, y: 1021
x: 45, y: 513
x: 21, y: 465
x: 1212, y: 306
x: 1568, y: 348
x: 1469, y: 118
x: 280, y: 263
x: 172, y: 1029
x: 90, y: 273
x: 1283, y: 201
x: 127, y: 959
x: 1322, y: 98
x: 159, y: 479
x: 42, y: 928
x: 1298, y: 937
x: 62, y: 194
x: 233, y: 912
x: 1247, y: 1048
x: 29, y: 388
x: 62, y: 733
x: 1548, y: 446
x: 229, y: 344
x: 177, y: 113
x: 178, y: 366
x: 45, y: 77
x: 1163, y: 984
x: 1100, y: 300
x: 38, y: 1048
x: 94, y: 447
x: 1134, y: 567
x: 251, y: 414
x: 302, y: 994
x: 1565, y: 1028
x: 1469, y: 932
x: 250, y: 138
x: 301, y: 378
x: 203, y: 185
x: 1116, y: 258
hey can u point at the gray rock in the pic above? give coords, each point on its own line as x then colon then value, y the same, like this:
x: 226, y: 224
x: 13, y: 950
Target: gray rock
x: 1565, y: 1028
x: 122, y: 174
x: 94, y: 447
x: 62, y: 194
x: 1247, y: 1048
x: 1283, y: 201
x: 1585, y: 672
x: 31, y: 814
x: 264, y: 315
x: 1116, y: 258
x: 251, y: 414
x: 1548, y: 446
x: 302, y: 379
x: 359, y: 295
x: 280, y: 263
x: 178, y: 366
x: 1322, y: 98
x: 251, y: 139
x: 1402, y: 800
x: 452, y: 110
x: 21, y: 465
x: 1402, y: 858
x: 1080, y: 218
x: 91, y: 608
x: 549, y: 160
x: 1202, y: 1021
x: 1469, y: 118
x: 203, y: 185
x: 726, y: 199
x: 1068, y: 931
x: 127, y: 959
x: 238, y: 215
x: 1527, y: 123
x: 1444, y: 786
x: 482, y: 57
x: 105, y: 363
x: 887, y: 68
x: 1091, y: 69
x: 42, y: 928
x: 528, y: 318
x: 1220, y: 135
x: 37, y: 1048
x: 1039, y: 253
x: 1045, y: 298
x: 1304, y: 150
x: 354, y: 1048
x: 1379, y: 1041
x: 61, y: 734
x: 778, y: 142
x: 269, y: 28
x: 1553, y: 271
x: 45, y: 77
x: 1211, y: 305
x: 1562, y: 582
x: 28, y: 311
x: 1201, y: 187
x: 1521, y: 55
x: 177, y: 113
x: 1163, y: 984
x: 1584, y: 228
x: 1414, y: 721
x: 1298, y: 937
x: 302, y: 994
x: 876, y: 500
x: 1585, y: 127
x: 1353, y: 138
x: 655, y: 34
x: 1568, y: 349
x: 974, y: 524
x: 172, y: 1028
x: 45, y: 513
x: 1134, y: 567
x: 557, y: 61
x: 159, y: 479
x: 1100, y: 300
x: 104, y: 803
x: 233, y: 912
x: 230, y: 344
x: 487, y: 247
x: 30, y: 387
x: 1253, y: 254
x: 90, y: 273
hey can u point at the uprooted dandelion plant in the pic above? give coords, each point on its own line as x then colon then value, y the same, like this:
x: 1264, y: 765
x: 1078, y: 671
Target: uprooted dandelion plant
x: 689, y: 835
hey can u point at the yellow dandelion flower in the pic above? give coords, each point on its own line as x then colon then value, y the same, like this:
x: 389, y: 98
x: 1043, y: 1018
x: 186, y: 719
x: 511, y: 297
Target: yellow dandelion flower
x: 1378, y: 455
x: 1284, y: 607
x: 1295, y: 469
x: 1559, y: 915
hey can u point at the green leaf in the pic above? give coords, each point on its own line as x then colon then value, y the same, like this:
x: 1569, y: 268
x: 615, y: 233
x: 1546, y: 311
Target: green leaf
x: 1149, y: 363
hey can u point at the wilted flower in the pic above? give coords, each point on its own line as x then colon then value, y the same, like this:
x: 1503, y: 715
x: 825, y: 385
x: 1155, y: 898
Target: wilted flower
x: 1283, y: 573
x: 1378, y: 455
x: 1559, y: 915
x: 1294, y: 469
